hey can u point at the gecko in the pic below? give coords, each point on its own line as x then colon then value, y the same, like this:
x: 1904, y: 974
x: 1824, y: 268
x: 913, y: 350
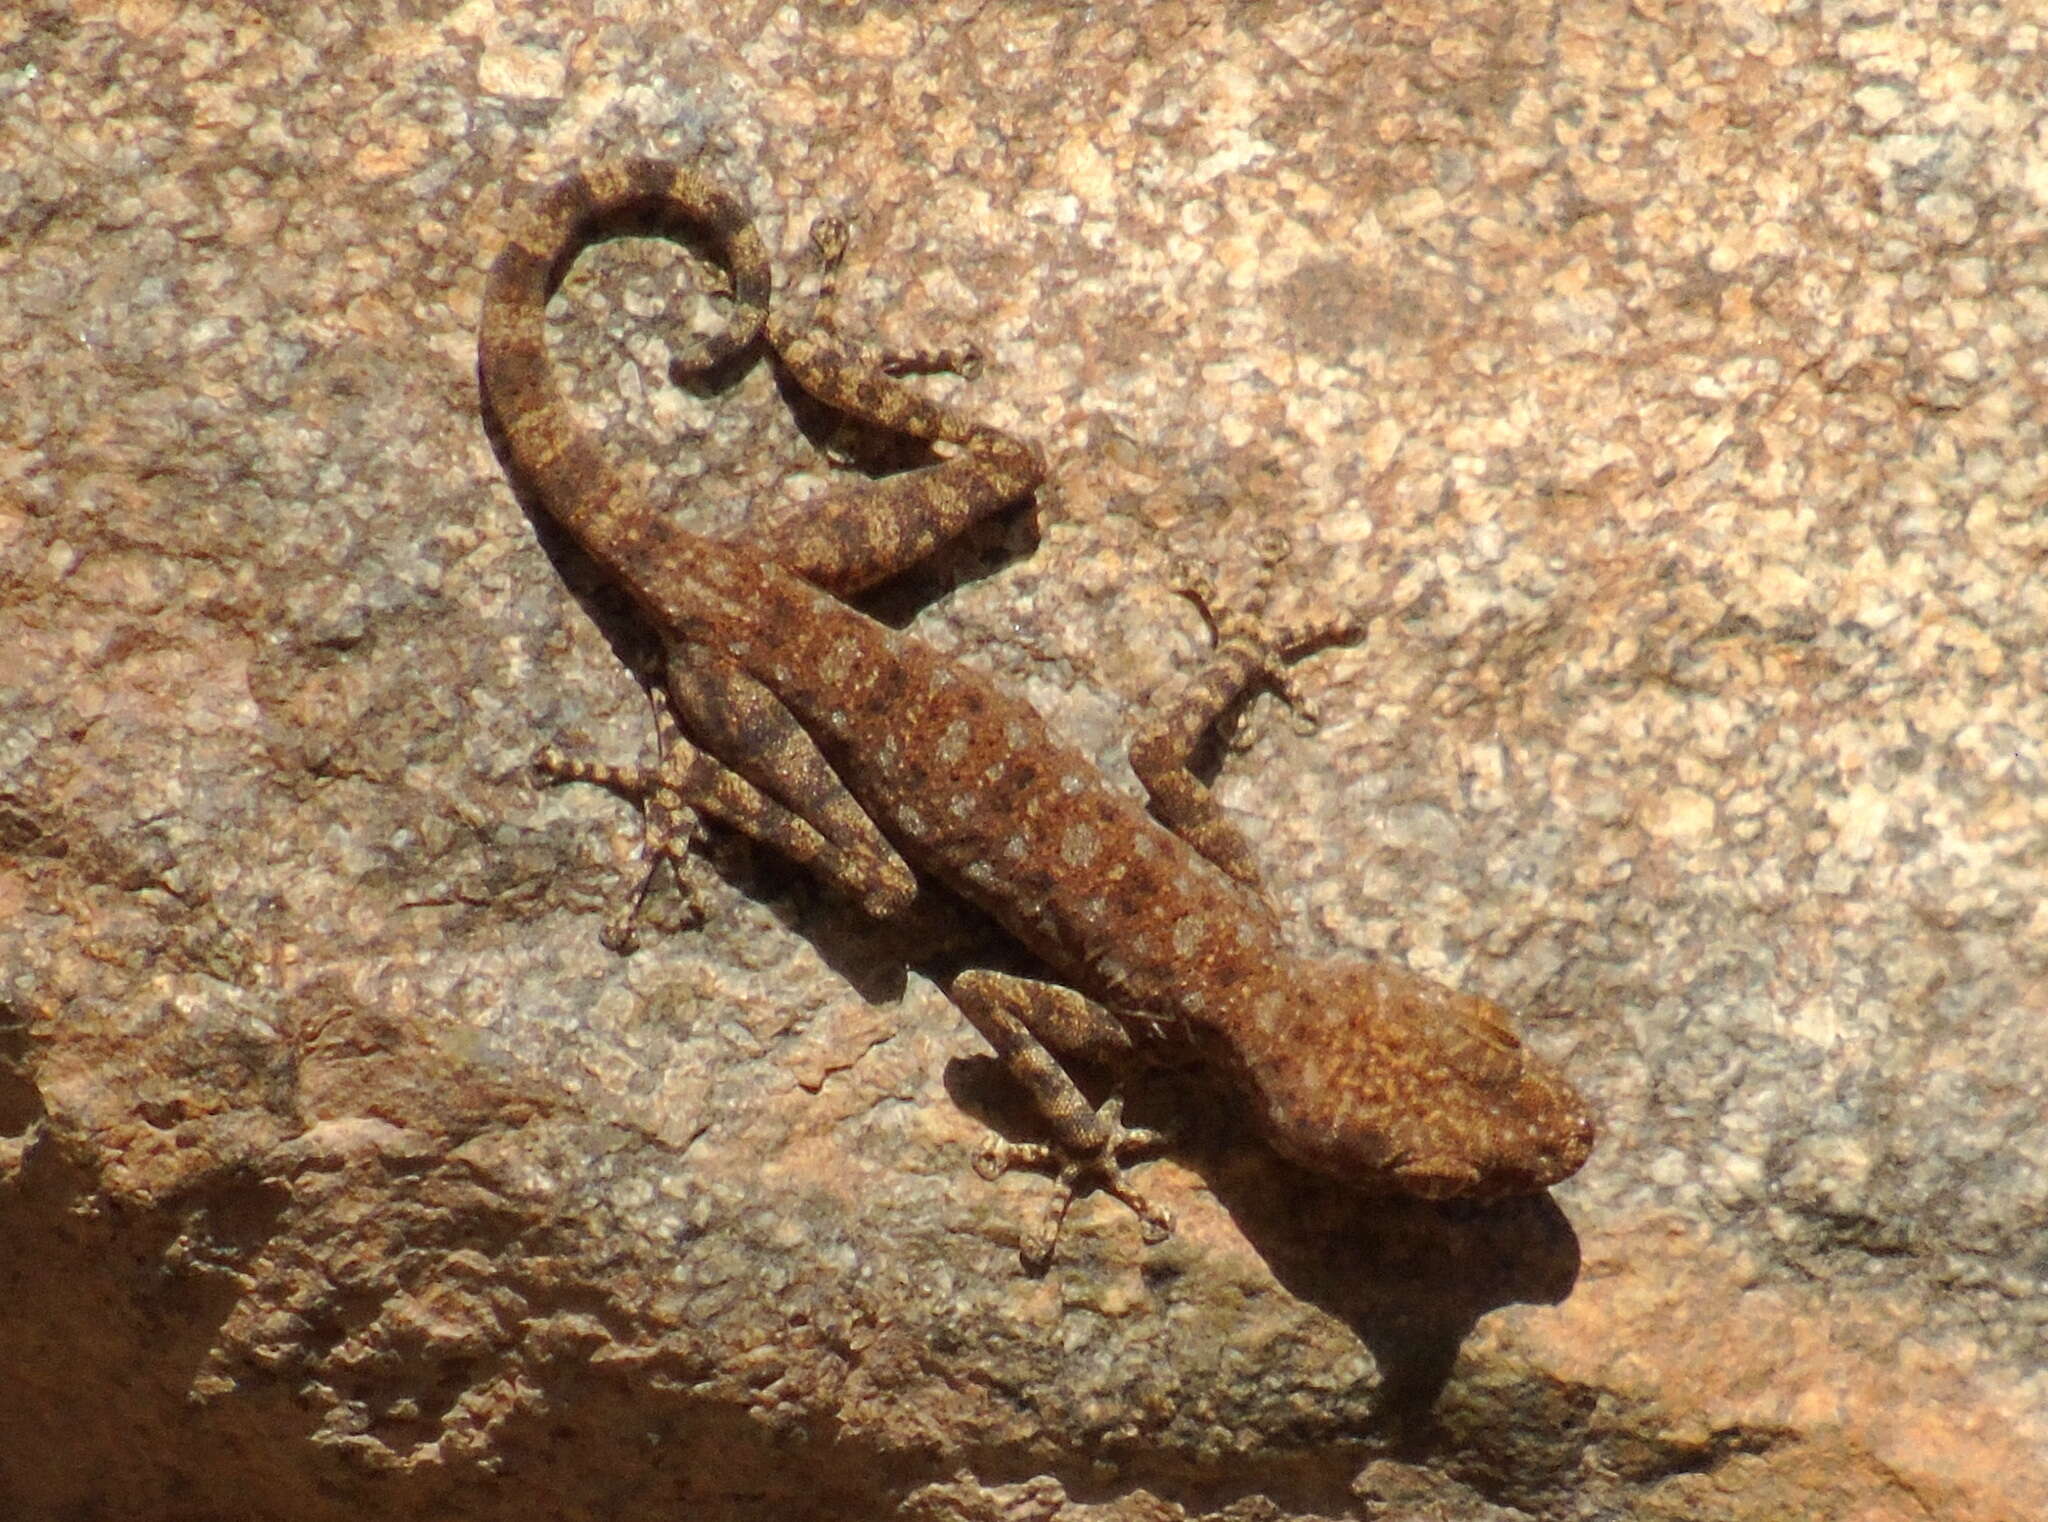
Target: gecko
x: 870, y: 759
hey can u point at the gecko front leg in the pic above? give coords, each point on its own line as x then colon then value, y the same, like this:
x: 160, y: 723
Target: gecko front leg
x: 1026, y: 1021
x: 1251, y: 651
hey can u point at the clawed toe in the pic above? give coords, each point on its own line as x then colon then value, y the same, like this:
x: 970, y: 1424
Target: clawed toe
x: 1247, y: 624
x: 668, y: 828
x: 1101, y: 1168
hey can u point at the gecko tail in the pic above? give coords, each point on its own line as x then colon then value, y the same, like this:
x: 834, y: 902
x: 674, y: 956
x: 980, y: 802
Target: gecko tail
x: 529, y: 417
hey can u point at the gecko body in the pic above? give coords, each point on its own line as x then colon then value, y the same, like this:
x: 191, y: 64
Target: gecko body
x: 871, y: 759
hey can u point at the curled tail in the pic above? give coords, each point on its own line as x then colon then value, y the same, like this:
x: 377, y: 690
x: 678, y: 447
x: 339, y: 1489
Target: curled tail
x: 538, y: 438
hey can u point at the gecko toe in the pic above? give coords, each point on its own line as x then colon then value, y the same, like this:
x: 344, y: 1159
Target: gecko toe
x: 1100, y: 1166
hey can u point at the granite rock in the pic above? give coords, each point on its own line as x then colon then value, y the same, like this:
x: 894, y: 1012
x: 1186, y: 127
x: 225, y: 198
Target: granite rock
x: 1665, y: 381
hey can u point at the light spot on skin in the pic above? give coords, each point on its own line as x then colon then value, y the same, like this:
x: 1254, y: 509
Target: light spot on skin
x: 1310, y: 1069
x: 841, y: 657
x: 952, y: 746
x: 913, y: 819
x: 1188, y: 933
x: 1016, y: 848
x: 1079, y: 845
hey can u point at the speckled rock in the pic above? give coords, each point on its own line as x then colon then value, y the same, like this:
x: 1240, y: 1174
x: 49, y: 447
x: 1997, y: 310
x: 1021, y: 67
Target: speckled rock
x: 1666, y: 381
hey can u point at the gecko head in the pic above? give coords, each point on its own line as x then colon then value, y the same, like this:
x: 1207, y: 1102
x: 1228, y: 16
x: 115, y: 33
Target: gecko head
x: 1391, y: 1082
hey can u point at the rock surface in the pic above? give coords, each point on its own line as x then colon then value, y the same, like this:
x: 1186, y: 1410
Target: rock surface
x: 1668, y: 379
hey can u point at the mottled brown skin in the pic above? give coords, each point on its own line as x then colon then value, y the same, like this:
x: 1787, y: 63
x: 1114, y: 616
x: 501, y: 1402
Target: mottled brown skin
x: 863, y: 754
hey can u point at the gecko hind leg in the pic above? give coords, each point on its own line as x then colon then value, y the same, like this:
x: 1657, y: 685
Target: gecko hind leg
x: 742, y: 723
x: 856, y: 536
x: 829, y: 237
x: 1025, y: 1020
x: 687, y: 783
x: 1251, y: 651
x: 669, y: 824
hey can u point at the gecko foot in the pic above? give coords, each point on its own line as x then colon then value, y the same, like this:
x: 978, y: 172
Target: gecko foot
x: 1246, y: 626
x: 829, y: 238
x: 1101, y: 1167
x: 668, y: 827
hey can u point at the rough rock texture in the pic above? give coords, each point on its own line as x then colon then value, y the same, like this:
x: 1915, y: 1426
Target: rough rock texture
x: 1669, y: 377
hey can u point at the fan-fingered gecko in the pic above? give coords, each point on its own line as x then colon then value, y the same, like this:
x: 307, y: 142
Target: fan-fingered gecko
x: 869, y: 758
